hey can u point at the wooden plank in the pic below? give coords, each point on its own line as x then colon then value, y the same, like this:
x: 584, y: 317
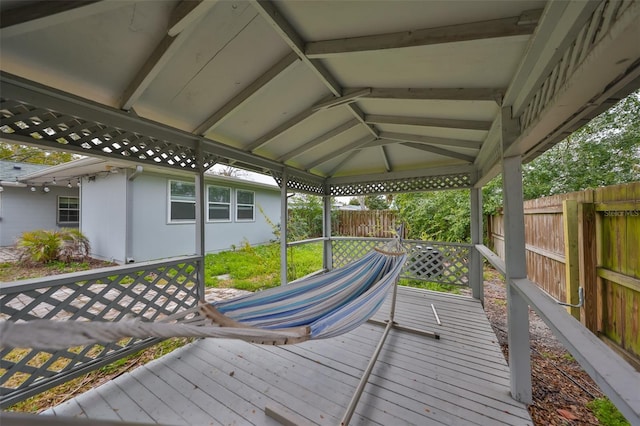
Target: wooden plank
x: 572, y: 272
x: 631, y: 283
x: 588, y: 261
x: 95, y: 407
x: 283, y: 415
x: 126, y: 408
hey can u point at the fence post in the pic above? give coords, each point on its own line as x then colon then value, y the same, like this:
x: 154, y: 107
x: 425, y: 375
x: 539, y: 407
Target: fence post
x: 572, y: 267
x: 588, y: 262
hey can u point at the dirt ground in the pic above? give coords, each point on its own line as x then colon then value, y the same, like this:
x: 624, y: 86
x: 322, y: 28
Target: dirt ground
x: 561, y: 389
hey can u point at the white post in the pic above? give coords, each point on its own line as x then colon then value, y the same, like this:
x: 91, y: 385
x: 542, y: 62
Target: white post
x: 283, y: 228
x: 516, y: 265
x: 475, y: 262
x: 200, y: 221
x: 327, y: 254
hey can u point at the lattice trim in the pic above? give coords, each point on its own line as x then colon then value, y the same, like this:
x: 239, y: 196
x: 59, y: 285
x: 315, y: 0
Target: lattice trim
x: 427, y: 261
x: 150, y: 293
x: 64, y: 130
x: 298, y: 184
x: 427, y: 183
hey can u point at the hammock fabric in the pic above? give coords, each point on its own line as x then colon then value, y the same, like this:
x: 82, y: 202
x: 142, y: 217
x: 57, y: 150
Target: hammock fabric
x: 314, y: 308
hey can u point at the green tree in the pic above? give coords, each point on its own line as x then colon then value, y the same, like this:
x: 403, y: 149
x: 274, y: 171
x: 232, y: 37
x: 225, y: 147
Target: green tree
x: 376, y: 202
x: 34, y: 155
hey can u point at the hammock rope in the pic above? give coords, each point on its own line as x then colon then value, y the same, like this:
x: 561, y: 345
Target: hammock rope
x: 318, y: 307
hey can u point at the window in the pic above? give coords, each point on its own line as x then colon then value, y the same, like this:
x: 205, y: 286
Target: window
x: 68, y: 210
x: 244, y: 205
x: 182, y: 201
x: 219, y: 200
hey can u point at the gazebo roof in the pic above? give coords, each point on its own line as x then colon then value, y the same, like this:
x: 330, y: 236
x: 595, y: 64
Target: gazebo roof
x: 347, y: 97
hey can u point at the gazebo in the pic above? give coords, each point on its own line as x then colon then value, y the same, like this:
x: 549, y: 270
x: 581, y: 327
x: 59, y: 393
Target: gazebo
x: 331, y: 98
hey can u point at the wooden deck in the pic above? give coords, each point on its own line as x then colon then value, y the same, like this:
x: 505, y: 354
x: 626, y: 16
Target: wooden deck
x: 460, y: 379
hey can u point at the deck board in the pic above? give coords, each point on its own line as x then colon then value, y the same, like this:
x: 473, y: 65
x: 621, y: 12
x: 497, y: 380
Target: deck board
x: 461, y: 379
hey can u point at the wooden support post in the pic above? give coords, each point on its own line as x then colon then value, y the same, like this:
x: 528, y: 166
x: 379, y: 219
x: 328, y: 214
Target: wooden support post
x: 283, y: 228
x: 516, y: 264
x: 200, y: 220
x: 475, y: 261
x: 588, y: 263
x: 572, y: 271
x: 327, y: 253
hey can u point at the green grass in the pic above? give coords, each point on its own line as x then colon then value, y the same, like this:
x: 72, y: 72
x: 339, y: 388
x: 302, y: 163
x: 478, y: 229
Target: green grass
x: 258, y: 268
x: 427, y: 285
x: 607, y: 413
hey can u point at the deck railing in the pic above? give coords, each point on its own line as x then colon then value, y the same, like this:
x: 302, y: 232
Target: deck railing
x: 442, y: 263
x: 148, y: 290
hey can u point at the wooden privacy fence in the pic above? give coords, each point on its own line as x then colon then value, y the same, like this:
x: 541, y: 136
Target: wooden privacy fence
x: 366, y: 223
x: 588, y: 239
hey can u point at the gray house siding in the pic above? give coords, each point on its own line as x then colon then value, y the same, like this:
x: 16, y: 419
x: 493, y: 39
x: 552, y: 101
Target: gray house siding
x: 23, y: 210
x: 129, y: 220
x: 103, y: 216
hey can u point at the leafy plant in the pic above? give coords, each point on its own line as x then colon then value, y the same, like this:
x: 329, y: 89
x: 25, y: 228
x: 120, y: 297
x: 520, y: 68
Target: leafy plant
x: 607, y: 413
x: 43, y: 246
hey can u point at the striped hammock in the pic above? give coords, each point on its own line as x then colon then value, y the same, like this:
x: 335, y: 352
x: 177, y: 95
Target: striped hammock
x: 318, y: 307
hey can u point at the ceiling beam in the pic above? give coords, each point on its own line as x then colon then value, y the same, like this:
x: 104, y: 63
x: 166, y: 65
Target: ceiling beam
x: 342, y: 162
x: 343, y: 100
x: 524, y: 24
x: 285, y: 30
x: 385, y: 159
x: 182, y: 24
x: 405, y: 137
x: 247, y: 93
x: 439, y: 151
x: 456, y: 94
x: 186, y: 13
x: 333, y: 154
x: 294, y: 121
x: 428, y: 122
x: 43, y: 14
x: 319, y: 140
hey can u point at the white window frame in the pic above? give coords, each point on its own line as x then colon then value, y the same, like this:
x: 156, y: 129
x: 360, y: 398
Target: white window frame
x: 253, y: 206
x: 170, y: 201
x: 58, y: 210
x: 229, y: 204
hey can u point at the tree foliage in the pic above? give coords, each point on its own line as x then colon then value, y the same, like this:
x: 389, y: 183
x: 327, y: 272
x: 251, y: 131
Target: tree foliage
x: 606, y: 151
x: 33, y: 155
x: 376, y: 202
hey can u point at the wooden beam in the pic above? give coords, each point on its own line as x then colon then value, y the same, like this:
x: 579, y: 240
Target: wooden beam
x: 42, y: 14
x: 294, y: 121
x: 333, y: 154
x: 285, y: 30
x: 385, y: 159
x: 186, y: 13
x: 496, y: 28
x: 439, y: 151
x: 343, y: 100
x: 428, y: 122
x: 406, y: 137
x: 247, y: 93
x: 455, y: 94
x: 319, y: 140
x: 342, y: 162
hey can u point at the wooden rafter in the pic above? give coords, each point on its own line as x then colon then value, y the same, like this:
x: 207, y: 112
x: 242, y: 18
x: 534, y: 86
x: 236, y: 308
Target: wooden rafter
x: 342, y: 162
x: 251, y: 90
x: 453, y: 94
x: 405, y: 137
x: 439, y: 151
x: 319, y: 140
x: 285, y: 30
x: 42, y: 14
x: 294, y: 121
x: 182, y: 23
x: 335, y: 153
x: 524, y: 24
x: 429, y: 122
x: 385, y: 159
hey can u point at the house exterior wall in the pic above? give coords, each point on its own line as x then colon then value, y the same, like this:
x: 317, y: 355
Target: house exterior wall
x: 103, y: 215
x: 154, y: 237
x: 23, y: 210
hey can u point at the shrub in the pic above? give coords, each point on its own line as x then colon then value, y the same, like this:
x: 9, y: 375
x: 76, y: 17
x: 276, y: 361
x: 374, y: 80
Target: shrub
x: 42, y: 246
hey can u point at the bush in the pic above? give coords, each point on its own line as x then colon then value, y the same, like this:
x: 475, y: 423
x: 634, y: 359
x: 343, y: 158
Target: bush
x: 42, y: 246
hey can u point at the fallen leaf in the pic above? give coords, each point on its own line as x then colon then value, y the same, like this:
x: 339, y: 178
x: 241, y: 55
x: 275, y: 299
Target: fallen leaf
x: 567, y: 414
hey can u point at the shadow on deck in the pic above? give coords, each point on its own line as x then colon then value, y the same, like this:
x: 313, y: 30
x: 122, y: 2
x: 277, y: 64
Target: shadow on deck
x: 460, y: 379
